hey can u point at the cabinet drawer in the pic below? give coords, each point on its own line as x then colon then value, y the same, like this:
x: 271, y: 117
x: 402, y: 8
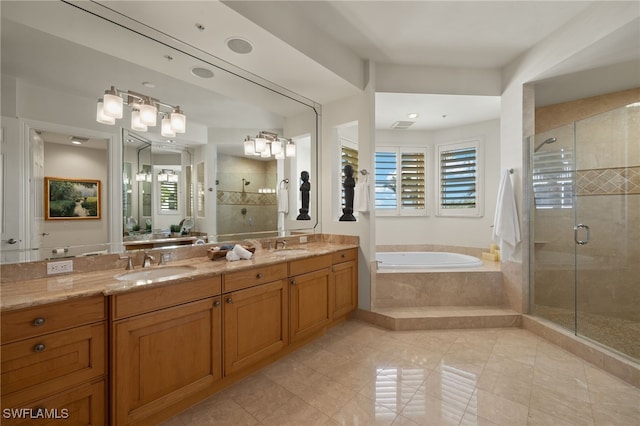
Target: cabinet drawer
x: 138, y: 302
x: 254, y: 276
x: 39, y: 320
x: 345, y: 255
x: 44, y: 365
x: 85, y: 405
x: 309, y: 264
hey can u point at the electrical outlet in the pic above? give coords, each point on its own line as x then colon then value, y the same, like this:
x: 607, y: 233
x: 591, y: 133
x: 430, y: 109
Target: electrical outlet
x: 303, y: 239
x: 59, y: 267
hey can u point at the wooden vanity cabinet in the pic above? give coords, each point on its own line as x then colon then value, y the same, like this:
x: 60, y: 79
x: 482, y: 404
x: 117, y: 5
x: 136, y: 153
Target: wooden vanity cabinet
x: 255, y: 315
x: 167, y: 354
x: 310, y: 293
x: 345, y: 282
x: 54, y: 362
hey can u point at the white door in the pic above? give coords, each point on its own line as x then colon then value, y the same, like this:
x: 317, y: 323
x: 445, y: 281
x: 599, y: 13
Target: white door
x: 11, y: 185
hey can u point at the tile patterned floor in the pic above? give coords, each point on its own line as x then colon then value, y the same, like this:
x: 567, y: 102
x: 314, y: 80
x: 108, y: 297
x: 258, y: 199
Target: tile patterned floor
x: 358, y: 374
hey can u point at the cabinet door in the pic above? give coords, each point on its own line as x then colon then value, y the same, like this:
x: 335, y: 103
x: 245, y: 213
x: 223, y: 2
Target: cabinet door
x: 345, y: 284
x: 163, y: 357
x: 255, y: 324
x: 310, y: 296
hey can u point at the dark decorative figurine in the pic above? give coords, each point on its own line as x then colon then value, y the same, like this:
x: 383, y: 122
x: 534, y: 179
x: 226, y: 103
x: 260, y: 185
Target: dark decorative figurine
x: 349, y: 184
x: 305, y: 188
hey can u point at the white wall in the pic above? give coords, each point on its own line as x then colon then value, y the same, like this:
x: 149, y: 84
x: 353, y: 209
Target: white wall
x: 358, y: 109
x: 432, y: 229
x: 77, y: 163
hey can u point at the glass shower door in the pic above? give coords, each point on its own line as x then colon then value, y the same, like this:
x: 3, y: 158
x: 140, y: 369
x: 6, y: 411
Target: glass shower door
x: 607, y: 229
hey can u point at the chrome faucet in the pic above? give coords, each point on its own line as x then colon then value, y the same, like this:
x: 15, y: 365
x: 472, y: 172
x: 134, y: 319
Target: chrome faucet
x: 147, y: 260
x: 129, y: 260
x: 283, y: 242
x: 164, y: 258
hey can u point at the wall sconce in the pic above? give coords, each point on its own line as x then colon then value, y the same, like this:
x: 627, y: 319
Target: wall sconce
x: 144, y: 111
x: 268, y: 144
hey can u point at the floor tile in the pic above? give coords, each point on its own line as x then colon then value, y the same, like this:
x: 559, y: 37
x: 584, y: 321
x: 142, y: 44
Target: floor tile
x: 359, y: 374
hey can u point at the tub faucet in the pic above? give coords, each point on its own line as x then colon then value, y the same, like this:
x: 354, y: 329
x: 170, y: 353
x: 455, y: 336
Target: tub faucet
x: 164, y: 258
x: 283, y: 242
x: 146, y: 262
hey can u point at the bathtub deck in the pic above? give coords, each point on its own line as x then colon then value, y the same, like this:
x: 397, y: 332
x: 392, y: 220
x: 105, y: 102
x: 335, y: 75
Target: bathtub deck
x: 442, y: 317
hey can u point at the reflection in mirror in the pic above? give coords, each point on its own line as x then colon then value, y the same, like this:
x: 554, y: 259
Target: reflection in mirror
x: 60, y: 92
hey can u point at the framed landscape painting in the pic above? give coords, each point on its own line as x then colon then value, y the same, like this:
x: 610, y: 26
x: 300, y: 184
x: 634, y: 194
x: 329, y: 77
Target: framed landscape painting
x: 71, y: 199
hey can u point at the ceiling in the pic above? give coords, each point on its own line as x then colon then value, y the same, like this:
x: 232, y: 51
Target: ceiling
x: 296, y: 53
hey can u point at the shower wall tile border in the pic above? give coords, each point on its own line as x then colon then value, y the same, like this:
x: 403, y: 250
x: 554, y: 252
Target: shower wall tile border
x: 615, y: 181
x: 245, y: 198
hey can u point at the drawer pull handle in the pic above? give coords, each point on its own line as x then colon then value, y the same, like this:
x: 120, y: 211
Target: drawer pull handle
x: 216, y: 303
x: 343, y: 255
x: 259, y: 276
x: 229, y: 300
x: 39, y: 347
x: 293, y: 282
x: 38, y: 322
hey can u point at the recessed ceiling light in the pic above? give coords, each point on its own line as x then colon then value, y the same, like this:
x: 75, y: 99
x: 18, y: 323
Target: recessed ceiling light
x: 413, y: 115
x: 239, y: 45
x: 202, y: 72
x: 77, y: 140
x: 148, y: 84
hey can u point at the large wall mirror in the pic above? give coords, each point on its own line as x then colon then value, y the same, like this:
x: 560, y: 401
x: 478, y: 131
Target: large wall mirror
x: 58, y: 60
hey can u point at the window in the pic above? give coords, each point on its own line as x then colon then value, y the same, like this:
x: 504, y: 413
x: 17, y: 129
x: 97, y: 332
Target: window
x: 459, y: 179
x: 553, y: 179
x: 168, y: 196
x: 400, y: 181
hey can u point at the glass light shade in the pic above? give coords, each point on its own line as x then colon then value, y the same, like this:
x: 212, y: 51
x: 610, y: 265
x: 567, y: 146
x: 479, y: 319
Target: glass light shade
x: 266, y: 153
x: 261, y: 145
x: 148, y: 114
x: 172, y: 177
x: 163, y: 177
x: 178, y: 120
x: 136, y: 124
x: 280, y: 155
x: 148, y: 177
x: 249, y: 147
x: 276, y: 147
x: 112, y: 104
x: 141, y: 177
x: 166, y: 130
x: 101, y: 117
x: 290, y: 150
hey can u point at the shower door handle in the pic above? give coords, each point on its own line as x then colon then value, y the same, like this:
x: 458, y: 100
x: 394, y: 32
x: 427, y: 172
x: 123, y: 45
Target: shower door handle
x: 576, y: 229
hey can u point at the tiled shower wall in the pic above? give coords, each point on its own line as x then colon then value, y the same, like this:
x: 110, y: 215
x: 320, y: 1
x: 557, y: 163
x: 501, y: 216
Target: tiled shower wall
x: 241, y: 208
x: 607, y: 135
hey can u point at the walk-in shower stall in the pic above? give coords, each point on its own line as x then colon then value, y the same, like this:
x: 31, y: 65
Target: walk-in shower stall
x: 585, y: 228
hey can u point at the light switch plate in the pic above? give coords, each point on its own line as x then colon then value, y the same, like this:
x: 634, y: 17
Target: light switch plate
x: 59, y: 267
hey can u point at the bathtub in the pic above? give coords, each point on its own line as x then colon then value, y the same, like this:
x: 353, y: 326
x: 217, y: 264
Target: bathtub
x: 412, y: 261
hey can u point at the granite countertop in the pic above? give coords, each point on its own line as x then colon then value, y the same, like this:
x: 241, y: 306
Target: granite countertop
x: 58, y: 288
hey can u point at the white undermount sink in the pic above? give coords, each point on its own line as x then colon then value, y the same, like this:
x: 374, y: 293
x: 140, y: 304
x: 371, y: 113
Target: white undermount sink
x: 155, y: 273
x: 291, y: 251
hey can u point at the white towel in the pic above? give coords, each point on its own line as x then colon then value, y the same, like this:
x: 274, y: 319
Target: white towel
x: 506, y: 226
x: 232, y: 256
x: 361, y: 196
x: 283, y: 200
x: 242, y: 252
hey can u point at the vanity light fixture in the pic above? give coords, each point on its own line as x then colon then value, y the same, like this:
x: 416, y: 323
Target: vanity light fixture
x: 144, y: 111
x: 165, y: 128
x: 268, y: 144
x: 143, y: 177
x: 167, y: 175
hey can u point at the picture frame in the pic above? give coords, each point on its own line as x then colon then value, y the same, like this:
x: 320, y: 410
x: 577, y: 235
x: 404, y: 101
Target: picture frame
x: 72, y: 199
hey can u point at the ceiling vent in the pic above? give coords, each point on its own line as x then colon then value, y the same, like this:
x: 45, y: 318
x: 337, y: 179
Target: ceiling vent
x: 402, y: 125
